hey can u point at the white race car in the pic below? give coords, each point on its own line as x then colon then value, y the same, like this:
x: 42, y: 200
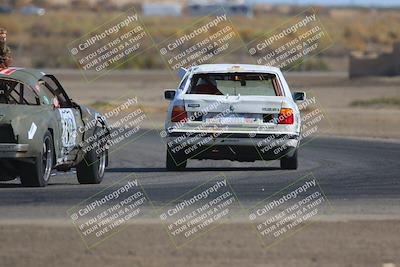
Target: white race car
x: 232, y: 112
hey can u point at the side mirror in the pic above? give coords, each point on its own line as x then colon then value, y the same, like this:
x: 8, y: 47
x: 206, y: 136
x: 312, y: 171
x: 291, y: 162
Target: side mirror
x: 169, y: 94
x: 299, y: 96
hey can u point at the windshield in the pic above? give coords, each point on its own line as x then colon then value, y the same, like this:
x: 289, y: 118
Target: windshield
x: 233, y: 84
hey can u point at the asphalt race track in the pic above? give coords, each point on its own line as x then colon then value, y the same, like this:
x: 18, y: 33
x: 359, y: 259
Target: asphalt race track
x: 359, y: 177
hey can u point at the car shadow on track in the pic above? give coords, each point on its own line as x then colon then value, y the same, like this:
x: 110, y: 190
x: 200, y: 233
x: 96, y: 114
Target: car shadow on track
x: 19, y: 185
x: 8, y: 185
x: 206, y: 169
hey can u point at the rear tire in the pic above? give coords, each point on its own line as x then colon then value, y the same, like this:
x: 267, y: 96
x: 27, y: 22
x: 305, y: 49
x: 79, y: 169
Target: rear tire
x: 37, y: 174
x: 91, y: 169
x: 177, y: 164
x: 289, y: 163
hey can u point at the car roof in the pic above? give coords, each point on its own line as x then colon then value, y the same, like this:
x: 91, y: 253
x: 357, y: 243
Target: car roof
x: 232, y: 68
x: 27, y: 76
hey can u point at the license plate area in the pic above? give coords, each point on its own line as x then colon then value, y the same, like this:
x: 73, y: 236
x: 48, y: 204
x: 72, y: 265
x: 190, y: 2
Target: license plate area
x: 237, y: 118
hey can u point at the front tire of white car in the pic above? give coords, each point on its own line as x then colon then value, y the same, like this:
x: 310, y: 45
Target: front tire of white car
x: 289, y: 163
x: 174, y: 164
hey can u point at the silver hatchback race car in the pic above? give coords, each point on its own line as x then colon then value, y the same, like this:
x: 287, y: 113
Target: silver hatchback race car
x: 232, y: 112
x: 42, y: 129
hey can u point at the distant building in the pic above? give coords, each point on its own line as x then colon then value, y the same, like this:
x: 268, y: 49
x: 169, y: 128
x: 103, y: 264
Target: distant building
x: 162, y: 9
x: 207, y: 7
x: 385, y: 64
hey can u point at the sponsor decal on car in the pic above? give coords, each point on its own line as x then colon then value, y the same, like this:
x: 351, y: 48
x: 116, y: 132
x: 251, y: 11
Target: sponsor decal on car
x: 32, y: 131
x: 69, y: 128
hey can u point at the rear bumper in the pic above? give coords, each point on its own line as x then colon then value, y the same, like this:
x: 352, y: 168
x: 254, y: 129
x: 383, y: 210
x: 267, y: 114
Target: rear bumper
x: 240, y: 147
x: 14, y: 150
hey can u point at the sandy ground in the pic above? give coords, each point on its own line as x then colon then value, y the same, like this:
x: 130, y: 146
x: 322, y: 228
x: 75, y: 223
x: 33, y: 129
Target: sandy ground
x: 334, y: 93
x: 342, y: 243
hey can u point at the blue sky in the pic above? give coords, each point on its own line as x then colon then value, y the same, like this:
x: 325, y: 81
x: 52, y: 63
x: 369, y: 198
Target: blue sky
x: 367, y: 3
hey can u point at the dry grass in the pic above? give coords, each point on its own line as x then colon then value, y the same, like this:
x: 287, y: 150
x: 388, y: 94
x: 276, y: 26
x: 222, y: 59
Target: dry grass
x: 41, y: 41
x: 377, y: 102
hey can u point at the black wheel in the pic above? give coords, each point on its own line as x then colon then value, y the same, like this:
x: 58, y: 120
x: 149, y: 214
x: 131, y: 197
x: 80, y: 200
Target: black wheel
x: 289, y: 163
x: 37, y: 174
x: 175, y: 164
x: 91, y: 169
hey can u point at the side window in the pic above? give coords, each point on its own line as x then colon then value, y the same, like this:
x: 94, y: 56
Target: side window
x: 49, y: 95
x: 30, y: 97
x: 13, y: 92
x: 55, y: 92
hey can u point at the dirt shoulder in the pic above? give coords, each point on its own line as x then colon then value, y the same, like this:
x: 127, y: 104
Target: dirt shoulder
x: 344, y: 243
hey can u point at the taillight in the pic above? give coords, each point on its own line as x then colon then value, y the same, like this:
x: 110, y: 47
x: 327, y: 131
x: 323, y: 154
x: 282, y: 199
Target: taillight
x: 286, y: 116
x: 178, y: 114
